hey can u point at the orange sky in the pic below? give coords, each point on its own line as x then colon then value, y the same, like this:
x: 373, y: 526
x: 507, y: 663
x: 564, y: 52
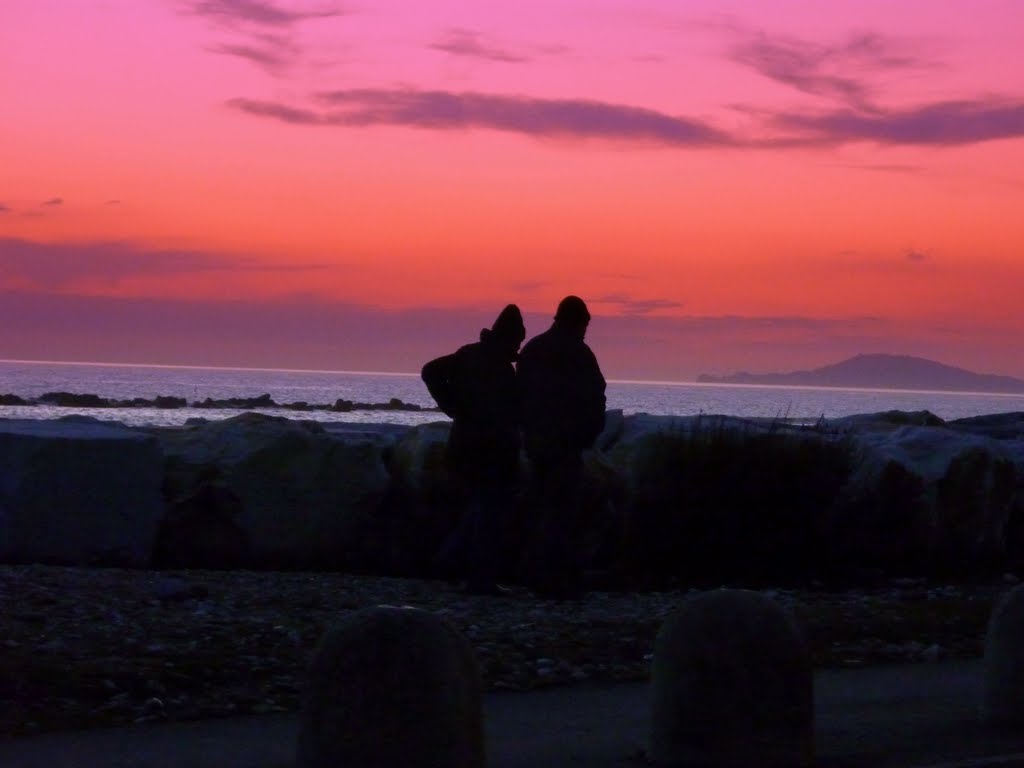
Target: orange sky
x: 744, y: 185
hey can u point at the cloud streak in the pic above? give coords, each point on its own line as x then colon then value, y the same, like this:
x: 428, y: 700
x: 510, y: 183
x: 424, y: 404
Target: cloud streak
x: 447, y: 110
x: 258, y: 12
x: 632, y: 306
x: 273, y: 53
x: 55, y: 266
x: 470, y: 43
x: 846, y: 72
x: 263, y: 32
x: 840, y: 71
x: 946, y: 123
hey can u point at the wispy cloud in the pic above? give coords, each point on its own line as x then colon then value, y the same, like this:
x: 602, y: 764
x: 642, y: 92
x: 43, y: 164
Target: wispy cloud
x: 59, y: 265
x: 631, y: 306
x: 737, y: 323
x: 843, y: 71
x: 5, y: 208
x: 950, y: 123
x: 276, y: 111
x: 849, y: 72
x: 526, y: 286
x: 262, y: 32
x: 274, y: 53
x: 259, y: 12
x: 903, y: 263
x: 878, y: 167
x: 941, y: 123
x: 53, y: 201
x: 467, y: 42
x: 447, y: 110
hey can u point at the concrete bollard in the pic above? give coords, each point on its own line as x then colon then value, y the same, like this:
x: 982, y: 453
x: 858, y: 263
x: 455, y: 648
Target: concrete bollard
x: 732, y: 685
x: 392, y: 688
x: 1002, y: 687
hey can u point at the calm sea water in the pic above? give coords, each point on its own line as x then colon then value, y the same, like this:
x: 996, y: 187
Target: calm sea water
x: 123, y: 382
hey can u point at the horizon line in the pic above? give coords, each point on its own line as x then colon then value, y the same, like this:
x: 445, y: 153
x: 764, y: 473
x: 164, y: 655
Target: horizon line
x: 654, y: 382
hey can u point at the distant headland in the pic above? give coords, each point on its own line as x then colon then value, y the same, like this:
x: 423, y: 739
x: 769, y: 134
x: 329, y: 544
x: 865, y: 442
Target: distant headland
x: 880, y: 371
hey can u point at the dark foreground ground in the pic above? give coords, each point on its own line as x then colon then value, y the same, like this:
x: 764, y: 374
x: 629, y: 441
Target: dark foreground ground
x: 891, y: 716
x: 82, y: 648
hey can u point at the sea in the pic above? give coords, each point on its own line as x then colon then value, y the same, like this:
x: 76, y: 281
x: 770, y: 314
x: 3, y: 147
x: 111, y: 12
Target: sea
x: 31, y: 379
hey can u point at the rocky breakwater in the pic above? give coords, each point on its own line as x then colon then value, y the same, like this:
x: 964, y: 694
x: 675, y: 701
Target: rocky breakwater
x: 931, y: 497
x: 716, y: 498
x: 667, y: 500
x: 719, y: 499
x: 264, y: 401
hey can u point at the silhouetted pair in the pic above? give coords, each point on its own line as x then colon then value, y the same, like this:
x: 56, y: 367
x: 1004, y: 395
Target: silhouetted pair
x: 552, y: 403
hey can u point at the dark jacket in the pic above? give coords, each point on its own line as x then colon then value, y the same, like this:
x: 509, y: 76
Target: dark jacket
x: 562, y: 392
x: 476, y: 386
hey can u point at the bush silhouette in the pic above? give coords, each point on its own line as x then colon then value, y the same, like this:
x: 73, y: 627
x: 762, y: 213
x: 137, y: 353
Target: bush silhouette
x: 743, y: 505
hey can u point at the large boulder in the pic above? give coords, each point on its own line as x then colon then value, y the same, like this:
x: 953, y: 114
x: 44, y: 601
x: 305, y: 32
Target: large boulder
x: 1001, y: 426
x: 424, y: 504
x: 885, y: 421
x: 928, y: 498
x: 306, y: 497
x: 202, y: 530
x: 418, y: 462
x: 79, y: 492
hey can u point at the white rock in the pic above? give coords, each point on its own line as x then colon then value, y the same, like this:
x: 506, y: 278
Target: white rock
x: 418, y: 461
x: 306, y: 495
x: 967, y: 489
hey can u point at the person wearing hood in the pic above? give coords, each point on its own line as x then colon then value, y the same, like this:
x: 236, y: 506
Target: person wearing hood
x: 563, y: 412
x: 476, y: 386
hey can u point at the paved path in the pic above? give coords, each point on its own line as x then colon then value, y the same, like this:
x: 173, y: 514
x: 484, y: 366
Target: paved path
x: 914, y: 716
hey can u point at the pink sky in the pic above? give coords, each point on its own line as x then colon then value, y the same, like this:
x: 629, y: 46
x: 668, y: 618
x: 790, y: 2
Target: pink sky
x: 363, y: 185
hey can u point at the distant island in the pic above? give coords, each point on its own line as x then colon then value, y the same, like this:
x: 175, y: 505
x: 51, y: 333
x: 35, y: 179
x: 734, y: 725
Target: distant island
x: 882, y: 372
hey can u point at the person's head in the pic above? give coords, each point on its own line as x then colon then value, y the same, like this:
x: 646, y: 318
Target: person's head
x: 572, y: 314
x: 508, y: 330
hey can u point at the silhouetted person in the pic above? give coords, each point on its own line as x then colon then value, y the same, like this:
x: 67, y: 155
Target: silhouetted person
x: 476, y: 386
x: 563, y: 402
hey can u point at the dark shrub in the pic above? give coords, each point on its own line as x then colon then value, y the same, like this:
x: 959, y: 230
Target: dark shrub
x: 721, y: 505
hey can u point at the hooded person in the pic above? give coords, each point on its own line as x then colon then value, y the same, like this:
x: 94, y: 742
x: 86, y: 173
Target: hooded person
x: 563, y: 410
x: 476, y: 386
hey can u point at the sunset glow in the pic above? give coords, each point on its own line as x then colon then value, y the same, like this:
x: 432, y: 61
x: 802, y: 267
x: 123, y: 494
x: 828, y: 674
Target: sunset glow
x: 329, y: 184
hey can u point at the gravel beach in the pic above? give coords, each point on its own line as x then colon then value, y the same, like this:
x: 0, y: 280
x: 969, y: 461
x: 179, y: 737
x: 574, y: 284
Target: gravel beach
x: 82, y: 647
